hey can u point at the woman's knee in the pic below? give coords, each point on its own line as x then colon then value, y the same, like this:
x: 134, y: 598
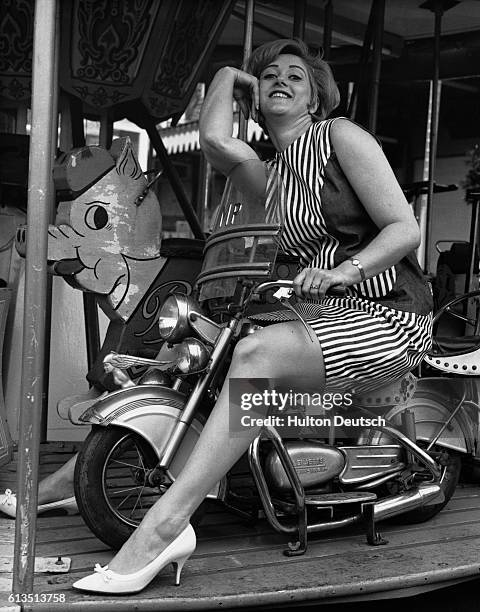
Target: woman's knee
x: 281, y: 350
x: 250, y: 350
x: 262, y: 353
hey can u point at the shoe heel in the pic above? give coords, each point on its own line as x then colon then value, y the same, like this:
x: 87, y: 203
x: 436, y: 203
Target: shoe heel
x: 178, y: 566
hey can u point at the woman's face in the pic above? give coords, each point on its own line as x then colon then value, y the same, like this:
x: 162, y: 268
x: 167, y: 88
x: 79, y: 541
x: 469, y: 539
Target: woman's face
x: 285, y: 87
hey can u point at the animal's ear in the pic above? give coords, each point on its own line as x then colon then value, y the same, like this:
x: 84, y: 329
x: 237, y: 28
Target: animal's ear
x: 125, y: 159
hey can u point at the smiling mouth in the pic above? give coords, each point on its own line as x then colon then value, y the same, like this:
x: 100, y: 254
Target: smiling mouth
x: 280, y: 94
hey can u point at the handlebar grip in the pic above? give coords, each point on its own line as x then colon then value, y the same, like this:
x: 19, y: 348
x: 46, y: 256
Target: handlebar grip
x: 335, y: 290
x: 338, y: 290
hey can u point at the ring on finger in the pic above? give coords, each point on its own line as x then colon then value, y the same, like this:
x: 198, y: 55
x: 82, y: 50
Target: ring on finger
x: 314, y: 286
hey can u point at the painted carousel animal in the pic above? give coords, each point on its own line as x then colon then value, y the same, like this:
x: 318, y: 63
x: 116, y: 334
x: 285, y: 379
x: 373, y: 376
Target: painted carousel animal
x: 107, y: 240
x: 107, y: 233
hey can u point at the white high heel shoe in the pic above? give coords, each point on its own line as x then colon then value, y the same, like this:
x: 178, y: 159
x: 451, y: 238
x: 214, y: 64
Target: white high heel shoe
x: 8, y: 505
x: 104, y: 580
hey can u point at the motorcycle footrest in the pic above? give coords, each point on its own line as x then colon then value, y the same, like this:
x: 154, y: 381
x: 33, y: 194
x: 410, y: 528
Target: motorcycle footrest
x: 338, y: 499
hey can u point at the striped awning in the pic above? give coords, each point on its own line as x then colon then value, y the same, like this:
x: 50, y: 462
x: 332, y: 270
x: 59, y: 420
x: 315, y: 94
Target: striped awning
x: 183, y: 138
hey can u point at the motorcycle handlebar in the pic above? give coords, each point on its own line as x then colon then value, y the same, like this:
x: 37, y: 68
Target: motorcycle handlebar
x: 337, y: 290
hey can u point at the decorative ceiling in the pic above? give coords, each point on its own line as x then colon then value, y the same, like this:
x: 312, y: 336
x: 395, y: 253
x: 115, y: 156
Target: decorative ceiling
x: 405, y: 20
x: 117, y: 53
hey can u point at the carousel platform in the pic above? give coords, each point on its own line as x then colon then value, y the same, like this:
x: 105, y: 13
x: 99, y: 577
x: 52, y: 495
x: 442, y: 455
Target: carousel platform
x: 239, y: 565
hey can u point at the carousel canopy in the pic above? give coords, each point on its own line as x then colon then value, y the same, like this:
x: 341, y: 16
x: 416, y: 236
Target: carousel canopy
x: 115, y: 55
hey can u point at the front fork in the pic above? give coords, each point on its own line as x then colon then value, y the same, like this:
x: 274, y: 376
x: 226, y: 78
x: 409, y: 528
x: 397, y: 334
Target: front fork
x: 218, y: 353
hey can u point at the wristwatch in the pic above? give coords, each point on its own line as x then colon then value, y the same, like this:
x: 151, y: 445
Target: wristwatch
x: 356, y: 262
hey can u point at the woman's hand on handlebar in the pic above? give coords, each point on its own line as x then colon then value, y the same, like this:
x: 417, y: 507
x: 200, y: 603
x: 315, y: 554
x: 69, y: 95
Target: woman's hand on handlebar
x: 314, y: 283
x: 246, y: 93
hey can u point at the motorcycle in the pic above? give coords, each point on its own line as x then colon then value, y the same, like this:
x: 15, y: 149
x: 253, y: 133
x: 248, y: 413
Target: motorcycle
x: 143, y: 433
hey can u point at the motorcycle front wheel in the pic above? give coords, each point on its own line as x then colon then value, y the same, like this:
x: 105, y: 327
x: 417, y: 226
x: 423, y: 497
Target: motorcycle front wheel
x: 113, y: 483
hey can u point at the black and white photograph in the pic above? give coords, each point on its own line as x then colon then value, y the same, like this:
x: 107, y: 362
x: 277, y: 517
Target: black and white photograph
x: 240, y: 305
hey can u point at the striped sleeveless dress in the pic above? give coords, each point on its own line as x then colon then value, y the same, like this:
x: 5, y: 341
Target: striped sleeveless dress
x: 382, y: 328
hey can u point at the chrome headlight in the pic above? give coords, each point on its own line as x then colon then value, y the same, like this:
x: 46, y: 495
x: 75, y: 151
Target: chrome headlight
x: 173, y: 323
x: 181, y: 316
x: 192, y: 356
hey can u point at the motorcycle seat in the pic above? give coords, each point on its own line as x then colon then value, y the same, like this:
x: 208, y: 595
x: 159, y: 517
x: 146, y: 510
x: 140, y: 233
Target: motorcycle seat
x: 466, y: 364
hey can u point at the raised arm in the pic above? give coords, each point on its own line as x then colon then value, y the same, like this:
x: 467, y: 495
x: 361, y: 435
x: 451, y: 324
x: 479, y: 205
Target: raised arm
x: 219, y: 146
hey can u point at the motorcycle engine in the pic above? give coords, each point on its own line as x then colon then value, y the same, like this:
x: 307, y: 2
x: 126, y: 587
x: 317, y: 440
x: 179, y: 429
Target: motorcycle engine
x: 314, y: 462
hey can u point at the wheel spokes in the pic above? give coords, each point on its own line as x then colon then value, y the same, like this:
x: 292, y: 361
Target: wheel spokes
x: 125, y: 480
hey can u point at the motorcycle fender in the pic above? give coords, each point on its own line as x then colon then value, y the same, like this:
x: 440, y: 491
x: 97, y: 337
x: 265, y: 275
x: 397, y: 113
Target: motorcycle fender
x: 149, y: 410
x: 429, y: 418
x: 152, y: 412
x: 453, y: 439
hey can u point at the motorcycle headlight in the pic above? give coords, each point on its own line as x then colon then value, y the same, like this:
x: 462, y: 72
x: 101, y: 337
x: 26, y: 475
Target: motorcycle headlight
x: 181, y: 316
x: 173, y: 320
x: 192, y: 356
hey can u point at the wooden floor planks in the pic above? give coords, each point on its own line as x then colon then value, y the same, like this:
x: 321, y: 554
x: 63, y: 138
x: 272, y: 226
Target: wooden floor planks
x: 237, y: 565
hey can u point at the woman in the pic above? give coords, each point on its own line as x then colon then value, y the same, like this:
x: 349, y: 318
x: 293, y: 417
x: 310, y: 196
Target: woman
x: 350, y: 224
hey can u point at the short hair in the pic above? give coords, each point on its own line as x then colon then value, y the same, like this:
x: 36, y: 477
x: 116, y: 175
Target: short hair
x: 325, y: 94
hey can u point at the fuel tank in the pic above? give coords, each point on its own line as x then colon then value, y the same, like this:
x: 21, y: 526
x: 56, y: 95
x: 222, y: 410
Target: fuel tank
x: 314, y: 462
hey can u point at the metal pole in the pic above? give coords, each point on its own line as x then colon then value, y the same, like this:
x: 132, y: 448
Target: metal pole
x: 51, y: 219
x: 436, y: 91
x: 247, y: 49
x: 379, y: 8
x: 299, y: 18
x: 421, y: 211
x: 105, y: 136
x: 204, y: 191
x: 327, y: 30
x: 364, y: 55
x: 172, y: 175
x: 39, y: 190
x: 422, y: 208
x: 474, y: 225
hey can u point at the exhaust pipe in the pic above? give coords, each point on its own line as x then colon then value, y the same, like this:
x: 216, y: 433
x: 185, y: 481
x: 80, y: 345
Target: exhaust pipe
x: 424, y: 495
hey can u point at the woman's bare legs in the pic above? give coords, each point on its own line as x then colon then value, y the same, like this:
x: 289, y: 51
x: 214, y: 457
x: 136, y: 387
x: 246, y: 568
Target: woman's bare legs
x: 275, y: 352
x: 58, y: 485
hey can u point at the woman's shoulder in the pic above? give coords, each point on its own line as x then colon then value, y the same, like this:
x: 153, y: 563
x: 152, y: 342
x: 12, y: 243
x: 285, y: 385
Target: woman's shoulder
x: 332, y: 133
x: 338, y: 127
x: 346, y: 134
x: 343, y: 126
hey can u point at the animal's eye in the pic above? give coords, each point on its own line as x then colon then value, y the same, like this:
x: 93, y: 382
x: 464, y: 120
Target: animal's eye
x: 96, y: 217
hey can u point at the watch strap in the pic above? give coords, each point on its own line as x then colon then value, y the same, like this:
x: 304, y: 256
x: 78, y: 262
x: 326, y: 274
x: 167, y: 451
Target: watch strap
x: 356, y: 262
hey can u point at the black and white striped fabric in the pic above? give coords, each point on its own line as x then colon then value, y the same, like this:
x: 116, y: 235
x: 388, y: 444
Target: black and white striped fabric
x: 364, y: 343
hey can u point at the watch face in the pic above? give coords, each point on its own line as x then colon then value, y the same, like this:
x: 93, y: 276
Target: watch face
x: 355, y: 262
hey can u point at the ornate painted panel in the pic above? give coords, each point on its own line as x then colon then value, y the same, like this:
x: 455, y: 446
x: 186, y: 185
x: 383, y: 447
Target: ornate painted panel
x: 115, y: 52
x: 16, y: 44
x: 194, y: 29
